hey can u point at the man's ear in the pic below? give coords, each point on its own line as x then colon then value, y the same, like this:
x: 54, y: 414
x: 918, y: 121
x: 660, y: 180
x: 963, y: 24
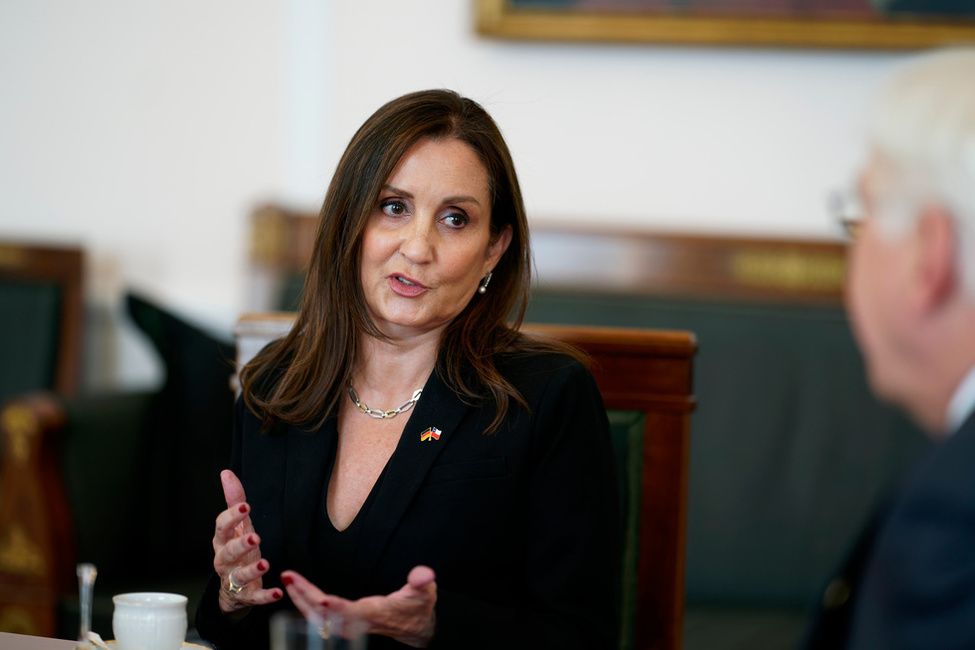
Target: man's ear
x: 936, y: 270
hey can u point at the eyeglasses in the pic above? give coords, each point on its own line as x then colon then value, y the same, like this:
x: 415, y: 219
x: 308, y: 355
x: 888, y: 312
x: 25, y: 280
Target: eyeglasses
x: 847, y: 208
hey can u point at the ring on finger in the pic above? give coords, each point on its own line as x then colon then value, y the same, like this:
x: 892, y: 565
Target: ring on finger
x: 232, y: 585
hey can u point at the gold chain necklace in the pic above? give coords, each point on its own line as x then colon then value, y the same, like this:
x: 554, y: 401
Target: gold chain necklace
x: 381, y: 415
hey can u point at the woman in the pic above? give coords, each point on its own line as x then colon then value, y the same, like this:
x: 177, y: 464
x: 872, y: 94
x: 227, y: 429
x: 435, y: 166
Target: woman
x: 482, y: 510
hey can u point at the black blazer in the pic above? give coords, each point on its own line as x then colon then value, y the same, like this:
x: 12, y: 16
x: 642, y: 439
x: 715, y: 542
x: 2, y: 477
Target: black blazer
x: 910, y: 584
x: 521, y: 527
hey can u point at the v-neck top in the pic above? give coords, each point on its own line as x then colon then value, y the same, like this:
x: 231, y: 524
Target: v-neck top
x: 340, y: 546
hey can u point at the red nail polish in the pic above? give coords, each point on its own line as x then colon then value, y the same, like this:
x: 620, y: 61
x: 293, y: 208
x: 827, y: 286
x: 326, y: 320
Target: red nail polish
x: 323, y: 603
x: 252, y: 541
x: 262, y: 565
x: 287, y: 580
x: 243, y: 508
x: 276, y: 595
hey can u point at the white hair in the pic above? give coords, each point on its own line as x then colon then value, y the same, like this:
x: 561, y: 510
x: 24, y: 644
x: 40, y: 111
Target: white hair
x: 923, y: 125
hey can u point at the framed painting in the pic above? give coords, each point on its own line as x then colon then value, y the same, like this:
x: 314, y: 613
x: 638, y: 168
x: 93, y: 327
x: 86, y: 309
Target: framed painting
x: 878, y: 24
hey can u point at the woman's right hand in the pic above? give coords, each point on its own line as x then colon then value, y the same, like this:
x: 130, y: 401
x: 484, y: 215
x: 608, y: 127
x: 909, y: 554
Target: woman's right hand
x: 236, y: 549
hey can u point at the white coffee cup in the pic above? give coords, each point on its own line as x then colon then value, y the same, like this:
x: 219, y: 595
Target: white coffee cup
x: 149, y: 621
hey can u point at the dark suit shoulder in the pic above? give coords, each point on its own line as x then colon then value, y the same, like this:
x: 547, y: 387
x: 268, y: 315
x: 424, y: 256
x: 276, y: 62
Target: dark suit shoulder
x: 531, y: 364
x: 535, y: 372
x: 919, y: 585
x: 944, y: 472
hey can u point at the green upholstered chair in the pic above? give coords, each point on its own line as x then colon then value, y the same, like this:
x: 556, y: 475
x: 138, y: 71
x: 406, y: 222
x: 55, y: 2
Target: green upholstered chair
x: 645, y: 378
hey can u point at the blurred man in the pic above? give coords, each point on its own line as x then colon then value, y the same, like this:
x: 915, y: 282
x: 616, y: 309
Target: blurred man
x: 911, y: 298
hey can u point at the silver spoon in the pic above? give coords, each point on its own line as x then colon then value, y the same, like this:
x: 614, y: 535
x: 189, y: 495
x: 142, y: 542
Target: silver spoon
x: 86, y: 585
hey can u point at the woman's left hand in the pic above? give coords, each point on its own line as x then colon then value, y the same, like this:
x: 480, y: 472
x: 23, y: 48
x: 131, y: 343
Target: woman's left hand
x: 406, y: 615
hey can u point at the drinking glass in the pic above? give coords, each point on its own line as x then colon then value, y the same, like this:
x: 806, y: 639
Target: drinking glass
x: 292, y: 631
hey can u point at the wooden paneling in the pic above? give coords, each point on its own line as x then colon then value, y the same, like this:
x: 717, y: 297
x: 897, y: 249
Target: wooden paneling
x: 685, y: 266
x: 577, y: 259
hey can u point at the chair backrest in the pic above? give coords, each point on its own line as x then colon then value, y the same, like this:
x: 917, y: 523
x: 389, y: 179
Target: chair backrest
x: 645, y: 377
x: 40, y: 332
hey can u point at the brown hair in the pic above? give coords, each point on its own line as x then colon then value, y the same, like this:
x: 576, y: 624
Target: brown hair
x: 300, y: 378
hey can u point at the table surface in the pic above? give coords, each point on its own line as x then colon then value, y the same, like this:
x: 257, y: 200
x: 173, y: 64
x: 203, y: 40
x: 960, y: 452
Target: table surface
x: 10, y: 641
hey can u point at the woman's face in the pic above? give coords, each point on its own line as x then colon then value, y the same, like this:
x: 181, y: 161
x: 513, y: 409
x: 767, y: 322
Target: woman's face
x: 427, y: 244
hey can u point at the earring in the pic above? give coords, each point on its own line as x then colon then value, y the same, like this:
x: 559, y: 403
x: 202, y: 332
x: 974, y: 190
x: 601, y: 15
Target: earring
x: 484, y: 283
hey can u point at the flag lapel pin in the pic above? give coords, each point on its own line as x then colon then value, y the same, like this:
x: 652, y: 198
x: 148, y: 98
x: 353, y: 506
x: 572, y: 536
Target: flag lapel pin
x: 433, y: 433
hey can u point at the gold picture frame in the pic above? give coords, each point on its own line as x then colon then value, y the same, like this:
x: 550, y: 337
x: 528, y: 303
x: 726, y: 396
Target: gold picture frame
x: 559, y: 21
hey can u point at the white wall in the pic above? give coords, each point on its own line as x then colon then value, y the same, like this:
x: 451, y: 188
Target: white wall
x: 147, y: 130
x: 143, y: 131
x: 733, y: 140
